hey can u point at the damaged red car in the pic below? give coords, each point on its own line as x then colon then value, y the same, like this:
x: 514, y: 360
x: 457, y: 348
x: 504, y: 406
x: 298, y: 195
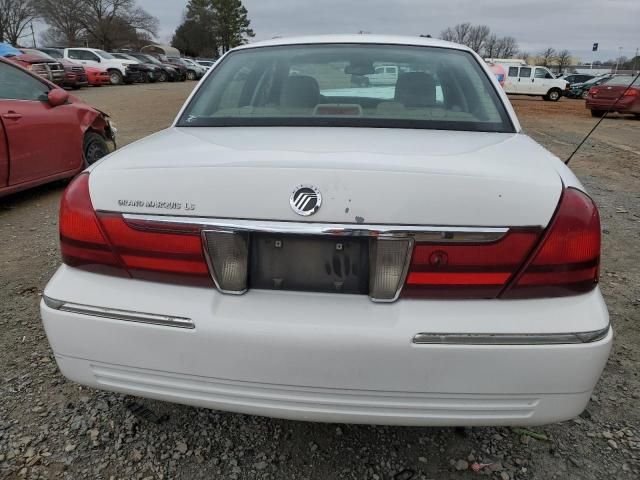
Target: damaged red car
x: 45, y: 133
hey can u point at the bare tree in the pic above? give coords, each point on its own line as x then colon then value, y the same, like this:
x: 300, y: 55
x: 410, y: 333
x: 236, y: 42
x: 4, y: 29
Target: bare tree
x: 548, y: 56
x: 15, y: 15
x: 104, y: 20
x: 458, y: 34
x: 480, y: 39
x: 507, y: 47
x: 564, y: 60
x: 491, y: 46
x: 63, y: 18
x: 477, y: 37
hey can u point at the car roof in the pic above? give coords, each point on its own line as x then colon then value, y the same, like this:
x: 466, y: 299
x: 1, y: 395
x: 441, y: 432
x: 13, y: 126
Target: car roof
x: 356, y: 38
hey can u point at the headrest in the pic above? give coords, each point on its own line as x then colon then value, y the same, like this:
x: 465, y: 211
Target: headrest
x: 416, y: 89
x: 300, y: 91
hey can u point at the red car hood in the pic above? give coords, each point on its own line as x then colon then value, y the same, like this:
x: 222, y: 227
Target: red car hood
x: 30, y: 58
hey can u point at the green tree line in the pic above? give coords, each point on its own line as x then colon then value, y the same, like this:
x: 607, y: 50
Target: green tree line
x: 211, y: 27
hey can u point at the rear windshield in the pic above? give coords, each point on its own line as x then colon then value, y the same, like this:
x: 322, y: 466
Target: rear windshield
x: 623, y: 81
x: 349, y: 85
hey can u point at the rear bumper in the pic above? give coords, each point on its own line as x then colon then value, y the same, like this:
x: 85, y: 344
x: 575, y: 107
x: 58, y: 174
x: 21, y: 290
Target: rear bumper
x: 133, y: 76
x: 99, y: 80
x: 329, y: 358
x: 625, y: 105
x: 75, y: 80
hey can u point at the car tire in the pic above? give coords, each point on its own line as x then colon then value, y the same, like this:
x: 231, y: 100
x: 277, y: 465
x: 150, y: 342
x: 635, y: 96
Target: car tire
x: 597, y: 113
x: 584, y: 94
x: 191, y: 75
x: 163, y: 77
x: 553, y: 95
x: 94, y: 147
x: 76, y: 87
x: 116, y: 77
x: 637, y: 116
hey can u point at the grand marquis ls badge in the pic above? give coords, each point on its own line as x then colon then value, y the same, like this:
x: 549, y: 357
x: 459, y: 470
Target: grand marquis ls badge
x: 305, y: 200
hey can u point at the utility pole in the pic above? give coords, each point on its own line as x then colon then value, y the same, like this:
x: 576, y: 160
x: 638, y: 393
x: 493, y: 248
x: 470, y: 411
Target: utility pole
x: 33, y: 36
x: 635, y: 61
x: 618, y: 59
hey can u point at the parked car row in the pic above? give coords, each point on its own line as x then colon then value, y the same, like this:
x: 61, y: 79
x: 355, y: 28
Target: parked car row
x: 77, y: 67
x: 581, y: 89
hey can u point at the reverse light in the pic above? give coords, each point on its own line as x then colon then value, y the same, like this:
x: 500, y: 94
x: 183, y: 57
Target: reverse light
x: 228, y: 255
x: 388, y: 261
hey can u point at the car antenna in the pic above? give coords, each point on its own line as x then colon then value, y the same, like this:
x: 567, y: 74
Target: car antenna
x: 602, y: 118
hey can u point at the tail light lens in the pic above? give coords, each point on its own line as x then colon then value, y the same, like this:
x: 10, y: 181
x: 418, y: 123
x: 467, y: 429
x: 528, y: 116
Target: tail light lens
x: 632, y: 92
x: 568, y: 258
x: 562, y: 261
x: 229, y: 255
x: 593, y: 91
x: 106, y: 243
x: 82, y: 240
x: 479, y: 270
x: 163, y: 255
x: 388, y: 260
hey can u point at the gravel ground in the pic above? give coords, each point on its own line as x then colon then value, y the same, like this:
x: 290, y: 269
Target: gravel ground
x: 52, y: 428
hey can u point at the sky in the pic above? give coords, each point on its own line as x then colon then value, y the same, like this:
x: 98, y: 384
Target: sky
x: 536, y: 24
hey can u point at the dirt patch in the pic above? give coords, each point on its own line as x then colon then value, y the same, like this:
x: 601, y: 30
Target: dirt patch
x: 52, y: 428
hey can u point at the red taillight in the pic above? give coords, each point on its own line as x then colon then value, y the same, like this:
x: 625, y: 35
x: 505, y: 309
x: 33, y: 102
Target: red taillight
x: 522, y: 264
x: 567, y: 261
x: 632, y: 92
x: 105, y: 242
x: 593, y: 91
x: 478, y: 270
x: 82, y: 241
x: 157, y: 255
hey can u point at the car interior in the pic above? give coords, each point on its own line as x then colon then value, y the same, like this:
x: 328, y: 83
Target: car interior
x: 432, y: 86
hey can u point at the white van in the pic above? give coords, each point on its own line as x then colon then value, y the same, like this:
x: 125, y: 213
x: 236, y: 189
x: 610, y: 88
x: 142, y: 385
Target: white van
x: 533, y: 81
x: 93, y: 57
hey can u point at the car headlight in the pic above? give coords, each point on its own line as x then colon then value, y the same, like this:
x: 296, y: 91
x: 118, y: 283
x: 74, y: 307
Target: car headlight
x: 112, y: 128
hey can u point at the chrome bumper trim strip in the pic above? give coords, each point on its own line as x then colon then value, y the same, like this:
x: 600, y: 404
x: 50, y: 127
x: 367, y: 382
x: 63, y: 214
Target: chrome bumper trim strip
x: 510, y: 338
x: 116, y: 314
x: 421, y: 233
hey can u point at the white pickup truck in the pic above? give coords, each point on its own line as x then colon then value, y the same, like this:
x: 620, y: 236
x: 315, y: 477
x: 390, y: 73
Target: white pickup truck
x: 120, y: 70
x: 533, y: 81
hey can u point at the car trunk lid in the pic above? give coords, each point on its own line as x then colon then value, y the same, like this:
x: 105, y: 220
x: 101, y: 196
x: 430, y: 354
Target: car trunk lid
x: 365, y: 176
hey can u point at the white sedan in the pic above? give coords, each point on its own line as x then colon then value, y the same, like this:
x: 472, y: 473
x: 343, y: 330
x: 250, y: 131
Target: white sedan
x: 407, y: 259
